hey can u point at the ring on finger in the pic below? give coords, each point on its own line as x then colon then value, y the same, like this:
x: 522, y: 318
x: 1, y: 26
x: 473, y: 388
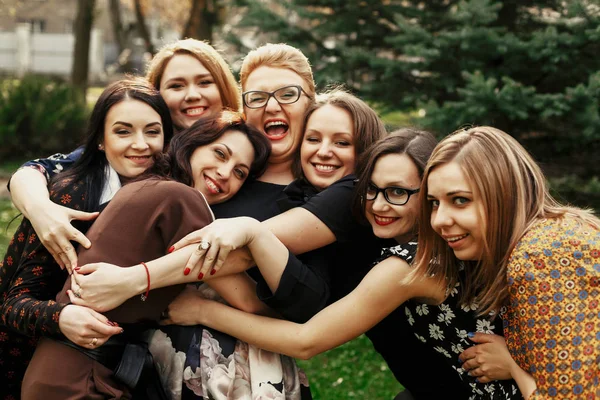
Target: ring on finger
x: 94, y: 342
x: 204, y: 245
x: 77, y: 293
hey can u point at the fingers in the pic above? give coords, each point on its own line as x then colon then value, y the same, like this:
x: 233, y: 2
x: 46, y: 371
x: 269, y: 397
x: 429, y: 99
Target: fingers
x: 482, y: 337
x: 82, y: 215
x: 102, y: 325
x: 209, y: 260
x: 190, y: 238
x: 87, y: 269
x: 75, y: 299
x: 194, y: 261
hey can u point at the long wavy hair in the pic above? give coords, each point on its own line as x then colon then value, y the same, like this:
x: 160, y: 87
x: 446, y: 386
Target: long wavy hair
x: 514, y: 194
x: 90, y: 167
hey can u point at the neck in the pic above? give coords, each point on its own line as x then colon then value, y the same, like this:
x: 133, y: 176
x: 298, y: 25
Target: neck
x: 278, y: 173
x: 407, y: 237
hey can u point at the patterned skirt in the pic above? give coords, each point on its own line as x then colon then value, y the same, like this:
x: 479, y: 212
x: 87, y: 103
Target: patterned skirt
x: 200, y: 363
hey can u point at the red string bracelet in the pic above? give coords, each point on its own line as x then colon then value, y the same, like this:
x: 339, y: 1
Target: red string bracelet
x: 145, y: 295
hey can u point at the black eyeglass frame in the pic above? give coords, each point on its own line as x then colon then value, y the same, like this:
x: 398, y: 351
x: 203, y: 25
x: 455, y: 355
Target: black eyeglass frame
x: 378, y: 190
x: 272, y: 94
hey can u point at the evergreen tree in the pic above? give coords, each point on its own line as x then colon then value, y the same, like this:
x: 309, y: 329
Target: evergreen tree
x: 530, y: 67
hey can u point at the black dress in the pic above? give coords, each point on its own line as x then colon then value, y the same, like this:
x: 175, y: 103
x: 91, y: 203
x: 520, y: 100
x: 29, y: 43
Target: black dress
x: 431, y: 338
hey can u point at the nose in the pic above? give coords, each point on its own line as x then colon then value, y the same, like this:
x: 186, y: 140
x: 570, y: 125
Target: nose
x: 379, y: 203
x: 139, y: 142
x: 192, y: 93
x: 272, y: 105
x: 325, y: 150
x: 440, y: 218
x: 224, y: 171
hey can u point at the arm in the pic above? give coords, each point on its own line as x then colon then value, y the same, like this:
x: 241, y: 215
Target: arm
x: 380, y: 292
x: 489, y: 360
x: 50, y: 220
x: 30, y: 281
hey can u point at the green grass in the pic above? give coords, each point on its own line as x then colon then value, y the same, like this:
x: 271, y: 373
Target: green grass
x: 351, y: 371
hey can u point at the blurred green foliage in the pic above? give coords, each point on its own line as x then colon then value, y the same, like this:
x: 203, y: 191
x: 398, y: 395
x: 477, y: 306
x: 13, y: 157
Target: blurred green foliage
x: 39, y: 116
x: 528, y: 67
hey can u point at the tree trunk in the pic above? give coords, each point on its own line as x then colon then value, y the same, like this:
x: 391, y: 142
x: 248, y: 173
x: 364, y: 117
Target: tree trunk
x: 81, y: 52
x: 120, y: 36
x: 143, y: 29
x: 203, y: 18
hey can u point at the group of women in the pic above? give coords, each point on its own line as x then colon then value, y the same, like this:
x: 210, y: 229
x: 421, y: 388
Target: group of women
x: 188, y: 250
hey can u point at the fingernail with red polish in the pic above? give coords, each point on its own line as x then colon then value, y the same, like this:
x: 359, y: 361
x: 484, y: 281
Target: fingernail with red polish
x: 77, y: 268
x: 171, y: 249
x: 200, y: 275
x: 213, y: 271
x: 186, y: 271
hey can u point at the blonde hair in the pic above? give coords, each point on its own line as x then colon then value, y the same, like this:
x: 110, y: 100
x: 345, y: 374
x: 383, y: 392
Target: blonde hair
x: 514, y: 195
x: 278, y: 55
x: 209, y: 57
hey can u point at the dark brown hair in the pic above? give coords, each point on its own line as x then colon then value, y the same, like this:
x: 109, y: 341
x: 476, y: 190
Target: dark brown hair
x: 176, y: 162
x: 92, y: 163
x: 416, y: 144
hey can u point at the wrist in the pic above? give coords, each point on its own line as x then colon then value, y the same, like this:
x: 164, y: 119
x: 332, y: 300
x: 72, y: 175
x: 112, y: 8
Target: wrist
x: 138, y: 279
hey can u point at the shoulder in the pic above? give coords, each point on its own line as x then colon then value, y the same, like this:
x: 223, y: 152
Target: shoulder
x: 405, y: 251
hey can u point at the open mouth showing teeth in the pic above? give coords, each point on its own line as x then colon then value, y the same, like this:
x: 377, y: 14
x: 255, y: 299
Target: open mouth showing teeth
x: 211, y: 185
x: 325, y: 168
x: 276, y: 129
x: 194, y: 111
x: 457, y: 238
x: 384, y: 220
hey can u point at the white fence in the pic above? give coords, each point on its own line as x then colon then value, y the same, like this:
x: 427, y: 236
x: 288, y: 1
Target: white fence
x: 22, y: 52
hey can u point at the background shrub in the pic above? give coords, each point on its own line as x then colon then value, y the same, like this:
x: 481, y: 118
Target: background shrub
x: 39, y: 116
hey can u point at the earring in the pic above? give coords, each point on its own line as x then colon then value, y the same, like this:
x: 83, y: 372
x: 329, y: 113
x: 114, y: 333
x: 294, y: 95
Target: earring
x: 100, y: 147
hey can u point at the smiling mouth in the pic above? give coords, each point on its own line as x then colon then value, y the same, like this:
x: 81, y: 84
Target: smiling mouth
x: 454, y: 239
x: 194, y: 111
x: 139, y: 159
x: 325, y: 168
x: 212, y: 185
x: 276, y: 130
x: 384, y: 220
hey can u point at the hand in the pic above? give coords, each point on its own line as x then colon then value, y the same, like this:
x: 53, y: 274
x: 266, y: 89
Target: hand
x: 86, y: 327
x: 489, y: 360
x: 223, y: 236
x: 103, y: 286
x: 52, y: 223
x: 185, y: 309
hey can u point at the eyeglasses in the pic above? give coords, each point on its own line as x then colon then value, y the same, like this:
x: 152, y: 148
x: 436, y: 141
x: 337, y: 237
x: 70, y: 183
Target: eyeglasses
x: 395, y: 195
x: 285, y: 95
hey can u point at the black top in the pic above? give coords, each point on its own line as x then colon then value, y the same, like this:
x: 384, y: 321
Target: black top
x: 255, y: 199
x: 431, y: 370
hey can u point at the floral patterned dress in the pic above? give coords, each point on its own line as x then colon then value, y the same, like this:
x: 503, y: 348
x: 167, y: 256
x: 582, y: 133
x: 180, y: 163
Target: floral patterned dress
x: 444, y: 329
x: 29, y: 281
x: 217, y: 366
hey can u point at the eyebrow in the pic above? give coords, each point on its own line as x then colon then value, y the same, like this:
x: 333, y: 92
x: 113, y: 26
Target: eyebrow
x: 454, y: 192
x: 131, y: 125
x: 181, y: 78
x: 231, y: 153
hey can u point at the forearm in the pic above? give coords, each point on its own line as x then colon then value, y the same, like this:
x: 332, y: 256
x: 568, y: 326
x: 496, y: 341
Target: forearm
x: 168, y: 270
x: 239, y: 291
x: 525, y: 382
x: 28, y: 189
x: 270, y: 256
x: 32, y: 317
